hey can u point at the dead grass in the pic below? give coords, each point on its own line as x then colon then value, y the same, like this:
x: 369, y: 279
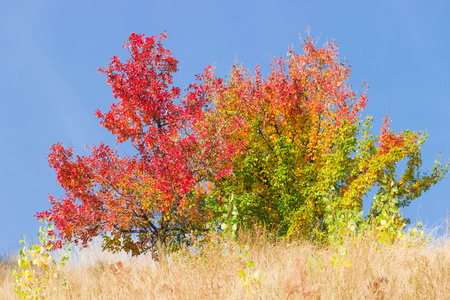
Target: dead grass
x: 267, y: 270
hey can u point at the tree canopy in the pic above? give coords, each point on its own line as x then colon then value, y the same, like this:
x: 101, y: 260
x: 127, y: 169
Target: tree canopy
x: 290, y: 152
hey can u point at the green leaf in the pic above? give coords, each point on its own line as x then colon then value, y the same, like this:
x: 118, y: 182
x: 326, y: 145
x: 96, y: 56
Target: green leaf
x: 23, y: 263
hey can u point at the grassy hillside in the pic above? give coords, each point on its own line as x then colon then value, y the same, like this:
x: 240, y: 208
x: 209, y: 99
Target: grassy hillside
x: 256, y: 268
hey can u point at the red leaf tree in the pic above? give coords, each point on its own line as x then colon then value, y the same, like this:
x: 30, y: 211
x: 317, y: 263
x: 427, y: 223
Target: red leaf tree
x: 142, y: 202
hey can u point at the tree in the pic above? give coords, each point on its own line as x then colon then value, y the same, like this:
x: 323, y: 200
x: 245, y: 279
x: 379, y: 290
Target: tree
x: 309, y: 159
x: 144, y: 201
x: 289, y: 152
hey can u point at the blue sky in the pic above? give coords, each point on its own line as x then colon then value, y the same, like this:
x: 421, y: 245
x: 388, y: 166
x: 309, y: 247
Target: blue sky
x: 51, y: 50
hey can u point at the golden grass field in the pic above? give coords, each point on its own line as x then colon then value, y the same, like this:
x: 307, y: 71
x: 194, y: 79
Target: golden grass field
x: 267, y: 270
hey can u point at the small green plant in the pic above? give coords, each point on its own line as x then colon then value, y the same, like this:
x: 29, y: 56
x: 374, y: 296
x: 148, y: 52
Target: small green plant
x: 338, y: 260
x: 230, y: 218
x: 384, y: 223
x: 37, y: 273
x: 386, y: 217
x: 250, y: 280
x: 415, y: 237
x: 315, y: 262
x: 387, y: 224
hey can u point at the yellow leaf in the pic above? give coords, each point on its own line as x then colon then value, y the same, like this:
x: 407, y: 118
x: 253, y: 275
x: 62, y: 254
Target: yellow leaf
x: 47, y: 259
x: 33, y: 253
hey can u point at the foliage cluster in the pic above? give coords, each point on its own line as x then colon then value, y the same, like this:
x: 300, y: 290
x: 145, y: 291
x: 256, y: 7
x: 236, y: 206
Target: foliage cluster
x: 37, y: 273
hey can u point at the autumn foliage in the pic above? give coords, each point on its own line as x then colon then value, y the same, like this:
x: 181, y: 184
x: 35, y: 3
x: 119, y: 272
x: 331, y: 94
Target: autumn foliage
x: 310, y: 159
x: 155, y: 196
x: 290, y: 152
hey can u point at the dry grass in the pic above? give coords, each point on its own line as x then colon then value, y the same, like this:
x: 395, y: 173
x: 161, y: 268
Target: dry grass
x: 280, y: 271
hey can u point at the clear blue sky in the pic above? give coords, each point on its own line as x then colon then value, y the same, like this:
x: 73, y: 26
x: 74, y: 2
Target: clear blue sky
x: 50, y: 87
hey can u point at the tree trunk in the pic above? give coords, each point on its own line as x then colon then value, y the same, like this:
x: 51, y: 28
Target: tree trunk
x: 161, y: 247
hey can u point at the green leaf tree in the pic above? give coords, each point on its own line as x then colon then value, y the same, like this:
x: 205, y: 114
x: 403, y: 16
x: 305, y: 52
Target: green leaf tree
x: 309, y: 158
